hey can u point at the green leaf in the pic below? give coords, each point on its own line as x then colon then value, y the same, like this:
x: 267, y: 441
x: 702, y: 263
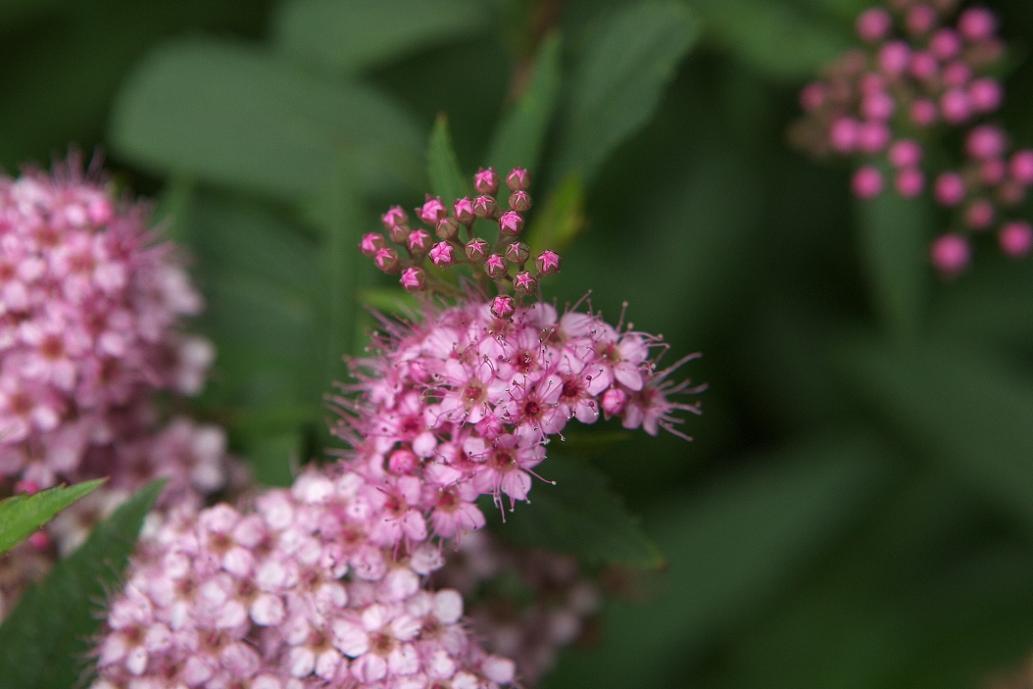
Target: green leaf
x: 519, y: 138
x: 894, y: 241
x: 390, y: 301
x: 446, y: 177
x: 46, y: 639
x: 580, y: 515
x: 730, y: 549
x: 955, y: 407
x: 22, y: 514
x: 350, y: 36
x: 619, y: 75
x: 562, y: 218
x: 780, y: 39
x: 239, y: 117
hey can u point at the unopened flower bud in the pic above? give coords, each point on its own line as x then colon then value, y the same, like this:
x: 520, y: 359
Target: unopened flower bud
x: 484, y: 206
x: 486, y: 181
x: 548, y: 262
x: 418, y: 242
x: 1016, y: 239
x: 511, y: 223
x: 432, y: 210
x: 1021, y: 167
x: 399, y: 233
x: 525, y: 283
x: 463, y: 210
x: 447, y: 228
x: 413, y: 279
x: 371, y: 243
x: 503, y: 307
x: 476, y: 249
x: 394, y: 216
x: 495, y: 267
x: 950, y: 189
x: 518, y: 179
x: 442, y: 254
x: 874, y: 24
x: 520, y: 201
x: 614, y: 401
x: 386, y: 259
x: 517, y: 253
x: 950, y: 254
x: 867, y: 183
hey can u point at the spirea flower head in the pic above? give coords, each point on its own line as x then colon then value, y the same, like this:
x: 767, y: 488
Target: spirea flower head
x: 90, y: 308
x: 926, y: 70
x: 326, y: 583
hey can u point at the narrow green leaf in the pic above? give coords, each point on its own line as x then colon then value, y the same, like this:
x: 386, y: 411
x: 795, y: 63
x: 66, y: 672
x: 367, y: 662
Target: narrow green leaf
x: 956, y: 407
x: 729, y: 551
x: 446, y: 177
x: 561, y: 219
x: 619, y: 75
x: 894, y: 235
x: 519, y: 138
x: 350, y: 36
x: 44, y: 643
x: 780, y: 39
x: 236, y: 116
x: 391, y: 301
x: 22, y: 514
x: 580, y: 515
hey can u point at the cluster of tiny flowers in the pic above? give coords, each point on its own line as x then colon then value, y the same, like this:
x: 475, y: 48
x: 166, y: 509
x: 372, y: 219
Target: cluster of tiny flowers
x: 501, y: 265
x: 328, y: 583
x: 290, y: 594
x: 553, y: 607
x: 917, y: 76
x: 89, y: 309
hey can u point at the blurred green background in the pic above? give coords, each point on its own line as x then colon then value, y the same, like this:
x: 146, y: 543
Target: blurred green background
x: 857, y: 508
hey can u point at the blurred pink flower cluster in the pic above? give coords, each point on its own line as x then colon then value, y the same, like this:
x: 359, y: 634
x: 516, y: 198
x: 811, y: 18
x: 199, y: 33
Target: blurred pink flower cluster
x: 925, y: 70
x: 91, y: 305
x: 327, y: 582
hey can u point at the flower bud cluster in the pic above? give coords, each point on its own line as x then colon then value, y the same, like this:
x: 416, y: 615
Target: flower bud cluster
x: 450, y: 238
x: 919, y: 76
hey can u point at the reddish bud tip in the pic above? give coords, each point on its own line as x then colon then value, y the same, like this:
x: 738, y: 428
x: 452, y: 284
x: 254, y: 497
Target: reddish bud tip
x: 394, y: 216
x: 614, y: 401
x: 442, y: 254
x: 413, y: 279
x: 518, y: 179
x: 485, y: 181
x: 386, y: 260
x: 476, y: 249
x: 418, y: 242
x: 432, y: 210
x: 503, y: 307
x: 517, y: 253
x: 548, y: 262
x: 447, y: 229
x: 371, y: 243
x: 484, y: 206
x: 520, y: 201
x: 463, y: 210
x: 495, y: 267
x: 525, y: 283
x: 399, y: 233
x: 511, y: 223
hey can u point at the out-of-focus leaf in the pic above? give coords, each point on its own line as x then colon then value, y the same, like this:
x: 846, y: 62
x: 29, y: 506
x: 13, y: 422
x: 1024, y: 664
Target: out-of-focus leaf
x: 557, y: 224
x: 22, y: 514
x: 781, y: 39
x: 273, y: 456
x: 729, y: 551
x: 520, y: 136
x: 620, y: 71
x: 957, y: 408
x: 44, y: 643
x: 580, y: 515
x: 446, y: 177
x: 893, y: 237
x: 239, y: 117
x: 349, y: 36
x: 987, y: 305
x: 390, y: 301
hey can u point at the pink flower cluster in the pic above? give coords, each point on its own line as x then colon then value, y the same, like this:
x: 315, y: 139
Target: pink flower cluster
x: 89, y: 309
x: 502, y: 263
x: 554, y: 607
x: 918, y: 75
x: 327, y: 583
